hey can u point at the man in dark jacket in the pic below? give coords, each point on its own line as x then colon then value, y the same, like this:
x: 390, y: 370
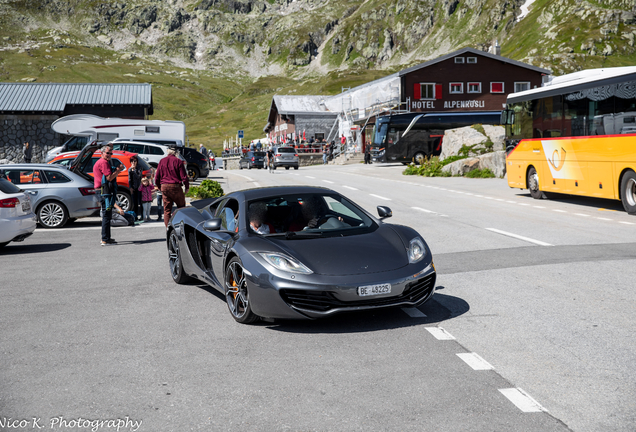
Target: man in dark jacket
x: 171, y: 176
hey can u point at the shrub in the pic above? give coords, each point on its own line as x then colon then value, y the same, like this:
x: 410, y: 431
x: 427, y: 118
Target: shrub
x: 207, y: 189
x: 480, y: 173
x: 432, y: 167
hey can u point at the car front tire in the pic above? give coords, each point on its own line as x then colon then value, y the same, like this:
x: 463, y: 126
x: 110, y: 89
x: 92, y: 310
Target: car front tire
x: 124, y: 200
x: 52, y: 214
x: 236, y: 294
x: 174, y: 260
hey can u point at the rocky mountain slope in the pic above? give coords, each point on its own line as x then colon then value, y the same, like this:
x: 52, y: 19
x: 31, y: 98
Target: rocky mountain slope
x: 219, y: 49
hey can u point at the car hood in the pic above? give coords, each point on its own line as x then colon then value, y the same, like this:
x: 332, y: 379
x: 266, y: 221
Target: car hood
x: 379, y: 251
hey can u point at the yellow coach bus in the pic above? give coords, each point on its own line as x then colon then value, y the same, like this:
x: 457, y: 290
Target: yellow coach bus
x: 575, y: 135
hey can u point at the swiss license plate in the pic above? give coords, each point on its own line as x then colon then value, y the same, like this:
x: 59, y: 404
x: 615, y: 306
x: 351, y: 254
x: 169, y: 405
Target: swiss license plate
x: 371, y: 290
x: 26, y: 206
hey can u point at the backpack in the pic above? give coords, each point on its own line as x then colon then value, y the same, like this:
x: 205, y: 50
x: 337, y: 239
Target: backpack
x: 127, y: 219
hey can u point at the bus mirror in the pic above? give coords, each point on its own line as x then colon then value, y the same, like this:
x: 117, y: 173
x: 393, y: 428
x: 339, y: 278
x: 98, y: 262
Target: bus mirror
x: 504, y: 117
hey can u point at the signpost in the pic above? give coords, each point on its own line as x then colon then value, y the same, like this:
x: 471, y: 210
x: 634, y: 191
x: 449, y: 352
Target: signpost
x: 240, y: 136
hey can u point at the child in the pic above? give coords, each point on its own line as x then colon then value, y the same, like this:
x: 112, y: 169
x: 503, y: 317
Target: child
x: 146, y: 197
x: 159, y: 199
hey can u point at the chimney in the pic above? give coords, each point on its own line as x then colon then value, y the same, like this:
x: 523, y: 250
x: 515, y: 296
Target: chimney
x: 497, y: 48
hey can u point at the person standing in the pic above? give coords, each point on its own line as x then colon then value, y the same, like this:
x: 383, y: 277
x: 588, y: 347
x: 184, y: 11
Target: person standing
x: 146, y: 197
x: 269, y: 159
x: 367, y: 154
x: 171, y: 176
x: 105, y: 183
x: 324, y: 154
x: 28, y: 152
x: 134, y: 181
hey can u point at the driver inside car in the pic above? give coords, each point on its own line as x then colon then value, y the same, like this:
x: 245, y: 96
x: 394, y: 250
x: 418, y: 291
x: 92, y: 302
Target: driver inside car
x: 315, y: 212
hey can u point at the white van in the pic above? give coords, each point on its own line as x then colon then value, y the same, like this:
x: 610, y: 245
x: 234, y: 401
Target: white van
x: 86, y: 128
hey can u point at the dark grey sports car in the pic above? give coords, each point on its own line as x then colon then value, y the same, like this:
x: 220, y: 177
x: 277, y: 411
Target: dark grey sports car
x: 298, y: 252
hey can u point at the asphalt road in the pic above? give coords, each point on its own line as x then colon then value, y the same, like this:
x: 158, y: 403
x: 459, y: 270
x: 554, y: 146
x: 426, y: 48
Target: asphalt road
x: 529, y: 330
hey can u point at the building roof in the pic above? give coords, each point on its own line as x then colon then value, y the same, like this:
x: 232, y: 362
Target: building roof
x: 475, y: 52
x: 292, y: 105
x: 54, y: 97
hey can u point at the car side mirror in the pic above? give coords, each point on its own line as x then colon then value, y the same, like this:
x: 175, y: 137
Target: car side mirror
x: 212, y: 224
x: 384, y: 212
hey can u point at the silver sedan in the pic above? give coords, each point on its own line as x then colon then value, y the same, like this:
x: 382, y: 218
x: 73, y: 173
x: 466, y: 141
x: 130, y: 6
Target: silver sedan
x: 56, y: 193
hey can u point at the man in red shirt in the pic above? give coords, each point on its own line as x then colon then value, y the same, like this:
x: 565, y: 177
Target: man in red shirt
x: 101, y: 169
x: 170, y: 177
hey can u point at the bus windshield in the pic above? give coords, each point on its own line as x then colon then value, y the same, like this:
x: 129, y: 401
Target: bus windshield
x: 380, y: 133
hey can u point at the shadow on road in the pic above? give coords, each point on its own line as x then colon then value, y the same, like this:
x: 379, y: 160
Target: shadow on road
x: 597, y: 203
x: 30, y: 248
x: 440, y: 308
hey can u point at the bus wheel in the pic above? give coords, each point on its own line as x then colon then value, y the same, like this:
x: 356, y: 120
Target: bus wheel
x: 533, y: 184
x: 628, y: 192
x: 419, y: 158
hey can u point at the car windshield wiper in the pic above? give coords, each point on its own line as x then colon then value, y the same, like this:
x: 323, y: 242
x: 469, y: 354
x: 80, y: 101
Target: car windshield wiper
x: 289, y: 235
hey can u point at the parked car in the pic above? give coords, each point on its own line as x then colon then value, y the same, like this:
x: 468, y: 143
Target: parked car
x: 150, y: 152
x: 286, y: 157
x: 57, y: 194
x: 119, y: 157
x: 197, y: 163
x: 17, y: 220
x: 252, y: 159
x: 310, y: 264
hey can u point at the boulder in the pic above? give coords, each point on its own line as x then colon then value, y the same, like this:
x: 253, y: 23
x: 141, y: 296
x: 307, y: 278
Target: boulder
x: 497, y: 135
x: 454, y: 139
x: 495, y: 162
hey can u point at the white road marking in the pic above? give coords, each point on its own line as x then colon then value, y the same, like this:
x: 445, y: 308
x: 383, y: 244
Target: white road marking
x: 522, y: 400
x: 414, y: 312
x: 499, y: 199
x: 538, y: 207
x: 327, y: 181
x: 349, y: 187
x: 627, y: 223
x: 524, y: 204
x: 310, y: 177
x: 421, y: 209
x: 581, y: 214
x: 487, y: 197
x: 241, y: 175
x: 475, y: 361
x: 560, y: 211
x: 381, y: 197
x: 537, y: 242
x: 439, y: 333
x: 512, y: 202
x: 605, y: 219
x: 257, y: 184
x: 479, y: 196
x: 468, y: 193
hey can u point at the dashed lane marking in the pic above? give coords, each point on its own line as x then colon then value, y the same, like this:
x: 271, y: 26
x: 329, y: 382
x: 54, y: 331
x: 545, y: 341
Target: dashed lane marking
x: 522, y: 400
x: 581, y: 214
x: 475, y: 361
x: 327, y: 181
x: 560, y: 211
x: 310, y: 177
x: 604, y: 219
x: 381, y: 197
x: 518, y: 237
x: 439, y: 333
x: 352, y: 188
x: 414, y: 312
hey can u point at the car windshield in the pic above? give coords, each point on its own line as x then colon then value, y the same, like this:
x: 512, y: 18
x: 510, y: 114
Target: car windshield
x: 7, y: 187
x: 304, y: 216
x: 286, y: 150
x: 380, y: 133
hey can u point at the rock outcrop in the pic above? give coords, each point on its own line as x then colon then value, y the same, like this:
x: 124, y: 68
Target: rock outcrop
x: 481, y: 145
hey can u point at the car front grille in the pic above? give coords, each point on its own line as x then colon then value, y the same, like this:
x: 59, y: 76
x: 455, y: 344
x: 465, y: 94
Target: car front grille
x: 324, y: 301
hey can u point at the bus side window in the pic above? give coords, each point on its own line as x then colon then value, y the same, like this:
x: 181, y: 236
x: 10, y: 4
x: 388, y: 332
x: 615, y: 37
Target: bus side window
x: 394, y: 137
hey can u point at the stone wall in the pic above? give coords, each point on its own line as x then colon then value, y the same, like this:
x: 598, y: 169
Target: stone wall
x: 15, y: 130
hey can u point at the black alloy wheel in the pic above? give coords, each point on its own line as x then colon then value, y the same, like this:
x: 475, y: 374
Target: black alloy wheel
x: 236, y: 293
x: 174, y: 260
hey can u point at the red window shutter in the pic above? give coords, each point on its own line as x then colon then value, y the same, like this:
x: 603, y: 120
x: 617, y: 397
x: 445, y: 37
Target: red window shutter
x: 496, y: 87
x: 438, y: 91
x: 417, y: 91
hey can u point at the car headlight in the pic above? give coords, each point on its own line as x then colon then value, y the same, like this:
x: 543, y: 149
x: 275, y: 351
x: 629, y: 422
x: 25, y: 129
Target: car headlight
x: 285, y: 263
x: 416, y: 250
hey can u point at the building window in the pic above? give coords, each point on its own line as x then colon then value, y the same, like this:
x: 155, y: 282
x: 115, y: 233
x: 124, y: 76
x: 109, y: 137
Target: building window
x: 522, y: 86
x: 496, y: 87
x: 456, y: 88
x: 459, y: 60
x: 424, y: 91
x: 474, y: 87
x: 471, y: 60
